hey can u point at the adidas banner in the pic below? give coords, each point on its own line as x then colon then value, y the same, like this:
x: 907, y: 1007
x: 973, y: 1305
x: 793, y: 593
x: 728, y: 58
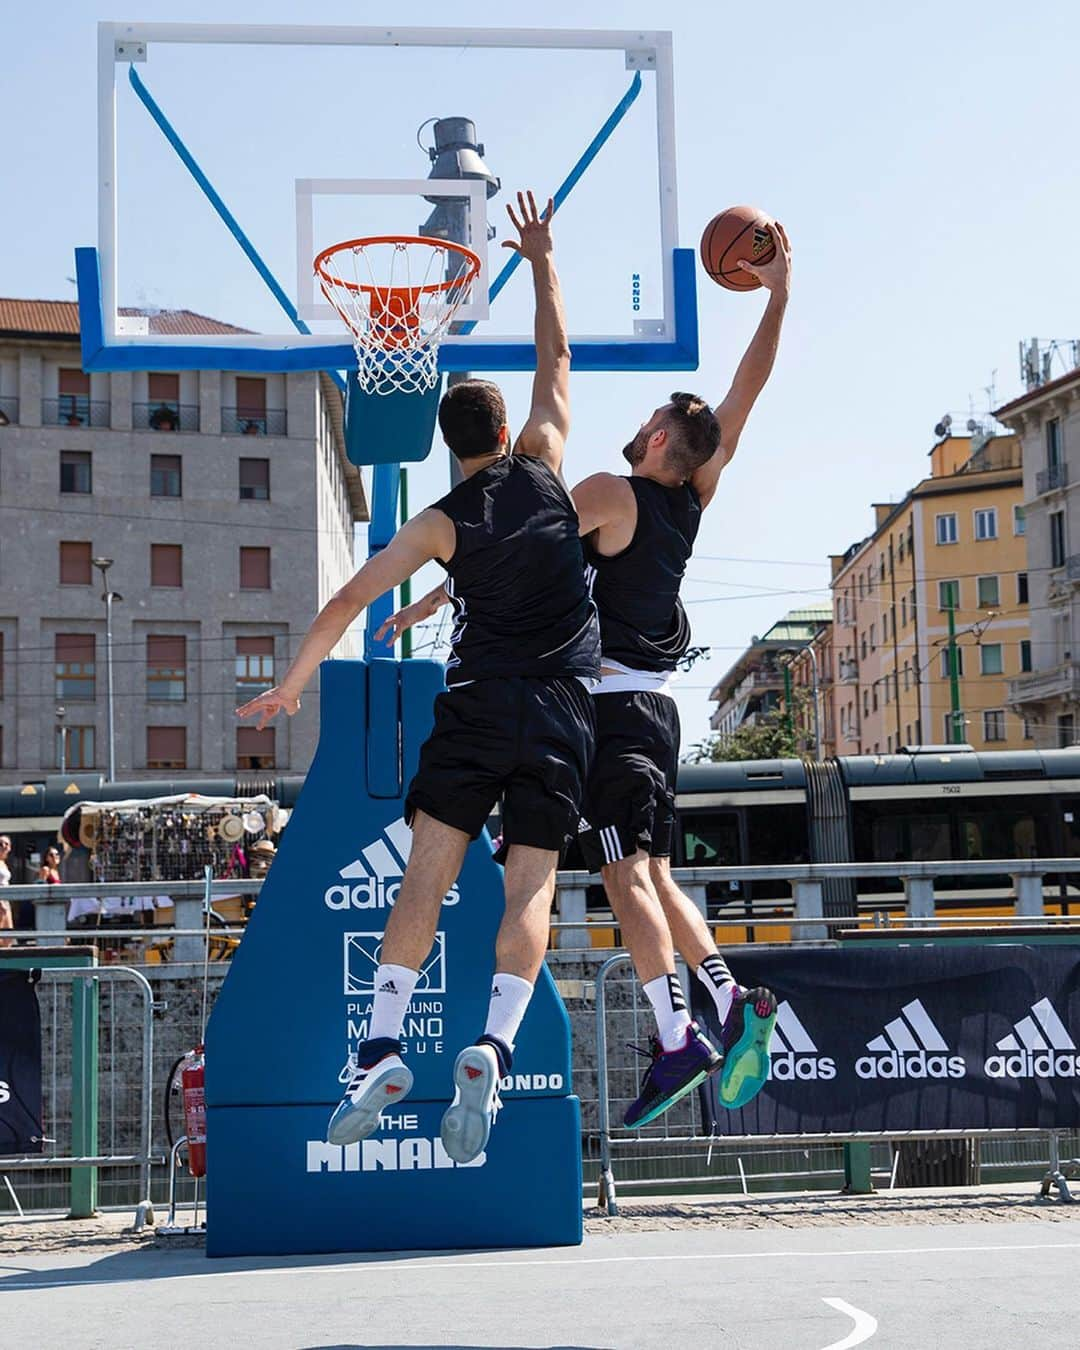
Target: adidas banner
x: 912, y: 1038
x: 20, y: 1065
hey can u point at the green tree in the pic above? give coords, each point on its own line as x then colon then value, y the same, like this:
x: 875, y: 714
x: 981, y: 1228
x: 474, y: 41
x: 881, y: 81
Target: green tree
x: 771, y: 737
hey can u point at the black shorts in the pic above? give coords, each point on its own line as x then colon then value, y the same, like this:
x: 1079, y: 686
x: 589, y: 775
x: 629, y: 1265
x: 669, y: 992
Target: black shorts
x: 630, y: 795
x: 528, y: 741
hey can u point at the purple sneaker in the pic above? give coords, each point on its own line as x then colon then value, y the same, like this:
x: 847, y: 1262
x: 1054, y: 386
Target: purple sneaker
x: 671, y: 1075
x: 745, y: 1039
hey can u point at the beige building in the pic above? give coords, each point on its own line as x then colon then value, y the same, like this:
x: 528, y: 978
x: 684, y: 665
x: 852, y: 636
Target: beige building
x: 754, y: 686
x: 227, y: 506
x: 958, y: 537
x: 1047, y: 421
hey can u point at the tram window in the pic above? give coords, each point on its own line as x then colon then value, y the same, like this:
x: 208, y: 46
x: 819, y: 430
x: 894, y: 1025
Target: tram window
x: 777, y: 834
x: 710, y: 840
x: 998, y: 834
x: 904, y: 838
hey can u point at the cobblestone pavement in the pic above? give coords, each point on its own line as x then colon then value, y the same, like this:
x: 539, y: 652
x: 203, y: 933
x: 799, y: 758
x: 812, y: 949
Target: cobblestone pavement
x: 111, y: 1232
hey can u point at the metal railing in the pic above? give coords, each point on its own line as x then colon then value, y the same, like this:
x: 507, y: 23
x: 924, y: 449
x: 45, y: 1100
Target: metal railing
x: 1051, y: 479
x: 71, y: 410
x: 165, y: 416
x: 71, y: 1102
x: 240, y: 422
x: 9, y: 410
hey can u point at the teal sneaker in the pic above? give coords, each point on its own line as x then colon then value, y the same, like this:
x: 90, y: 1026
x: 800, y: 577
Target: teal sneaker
x: 745, y: 1041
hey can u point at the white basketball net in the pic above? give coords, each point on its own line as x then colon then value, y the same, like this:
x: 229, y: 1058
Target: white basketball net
x: 398, y: 298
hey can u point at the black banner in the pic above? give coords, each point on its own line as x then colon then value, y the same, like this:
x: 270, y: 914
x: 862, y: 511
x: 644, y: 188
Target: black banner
x: 912, y: 1038
x: 20, y: 1065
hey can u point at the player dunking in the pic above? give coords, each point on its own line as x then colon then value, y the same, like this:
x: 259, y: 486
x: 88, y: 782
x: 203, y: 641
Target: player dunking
x: 517, y: 721
x: 640, y: 532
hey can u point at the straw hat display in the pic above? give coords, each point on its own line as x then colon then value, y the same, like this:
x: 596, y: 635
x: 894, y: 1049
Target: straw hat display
x: 88, y: 829
x: 230, y: 828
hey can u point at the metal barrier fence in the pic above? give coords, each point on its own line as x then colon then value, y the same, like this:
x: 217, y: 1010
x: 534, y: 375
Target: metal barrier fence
x: 80, y: 1017
x: 677, y: 1152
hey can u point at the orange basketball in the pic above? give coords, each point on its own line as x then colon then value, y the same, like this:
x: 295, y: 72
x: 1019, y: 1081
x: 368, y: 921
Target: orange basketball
x: 741, y: 233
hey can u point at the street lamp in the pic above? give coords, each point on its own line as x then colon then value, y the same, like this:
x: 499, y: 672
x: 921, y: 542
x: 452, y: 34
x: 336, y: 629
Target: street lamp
x: 103, y: 565
x: 61, y: 713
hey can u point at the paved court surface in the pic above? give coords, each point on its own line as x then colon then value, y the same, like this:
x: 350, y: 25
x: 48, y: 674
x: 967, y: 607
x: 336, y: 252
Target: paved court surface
x: 960, y: 1285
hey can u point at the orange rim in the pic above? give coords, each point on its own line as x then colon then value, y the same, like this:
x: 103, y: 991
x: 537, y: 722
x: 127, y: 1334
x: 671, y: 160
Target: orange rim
x: 429, y: 288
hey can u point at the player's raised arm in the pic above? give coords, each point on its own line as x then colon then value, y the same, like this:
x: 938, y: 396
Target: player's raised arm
x: 544, y: 434
x: 428, y: 535
x: 755, y: 367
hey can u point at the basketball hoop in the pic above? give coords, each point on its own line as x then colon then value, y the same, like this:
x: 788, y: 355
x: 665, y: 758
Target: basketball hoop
x: 397, y: 295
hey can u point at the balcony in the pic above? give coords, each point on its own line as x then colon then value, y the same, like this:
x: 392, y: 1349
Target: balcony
x: 72, y: 410
x: 242, y: 422
x: 1042, y: 685
x: 165, y: 415
x: 1052, y: 479
x: 9, y: 411
x: 1072, y: 568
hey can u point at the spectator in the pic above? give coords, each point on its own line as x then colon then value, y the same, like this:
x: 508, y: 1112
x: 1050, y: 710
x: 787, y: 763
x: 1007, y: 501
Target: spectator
x: 6, y: 920
x: 49, y: 871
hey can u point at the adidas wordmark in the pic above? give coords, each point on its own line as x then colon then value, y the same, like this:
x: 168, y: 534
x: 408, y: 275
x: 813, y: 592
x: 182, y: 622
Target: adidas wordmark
x: 910, y: 1047
x: 1038, y: 1047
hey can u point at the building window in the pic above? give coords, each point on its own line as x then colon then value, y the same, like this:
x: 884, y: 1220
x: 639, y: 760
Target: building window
x: 166, y: 747
x: 254, y: 480
x: 165, y: 476
x: 862, y: 646
x: 911, y: 604
x: 888, y: 744
x: 75, y: 569
x: 900, y: 550
x: 948, y: 594
x: 945, y: 673
x: 254, y: 748
x: 254, y: 569
x: 986, y: 523
x: 907, y: 680
x: 74, y: 655
x: 1027, y: 728
x: 866, y: 703
x: 1019, y: 520
x: 166, y: 565
x: 75, y: 471
x: 1025, y: 654
x: 990, y: 658
x: 903, y: 611
x: 166, y: 668
x: 254, y: 666
x: 989, y: 591
x: 1057, y: 538
x: 1021, y: 588
x: 1053, y: 443
x: 76, y: 749
x: 885, y: 627
x: 1066, y: 730
x: 73, y: 406
x: 993, y: 724
x: 251, y: 405
x: 946, y: 529
x: 907, y: 733
x: 873, y: 642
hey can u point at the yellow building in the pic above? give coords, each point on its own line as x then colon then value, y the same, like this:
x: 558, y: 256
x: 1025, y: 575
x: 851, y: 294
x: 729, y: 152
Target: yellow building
x: 958, y: 535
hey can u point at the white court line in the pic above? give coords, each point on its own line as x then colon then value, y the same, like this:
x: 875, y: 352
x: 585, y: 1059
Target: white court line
x: 864, y: 1327
x: 388, y: 1267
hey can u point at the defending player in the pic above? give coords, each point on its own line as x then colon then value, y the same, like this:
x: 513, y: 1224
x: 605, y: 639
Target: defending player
x: 517, y: 721
x: 640, y: 532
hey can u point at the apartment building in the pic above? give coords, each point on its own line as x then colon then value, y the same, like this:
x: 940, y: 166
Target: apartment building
x: 1047, y: 421
x: 754, y: 686
x: 957, y: 539
x: 226, y: 506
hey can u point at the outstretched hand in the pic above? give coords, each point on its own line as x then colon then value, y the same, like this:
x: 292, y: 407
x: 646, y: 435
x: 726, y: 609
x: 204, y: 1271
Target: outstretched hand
x: 267, y: 706
x: 775, y: 275
x: 534, y: 230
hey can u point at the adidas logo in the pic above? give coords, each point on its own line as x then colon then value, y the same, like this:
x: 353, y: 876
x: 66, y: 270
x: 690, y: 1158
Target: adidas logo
x: 373, y: 880
x: 388, y: 988
x: 1038, y: 1047
x: 910, y: 1047
x: 496, y: 992
x: 793, y: 1056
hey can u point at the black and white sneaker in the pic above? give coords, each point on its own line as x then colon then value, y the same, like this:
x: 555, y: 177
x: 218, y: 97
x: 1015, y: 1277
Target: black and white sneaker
x: 377, y: 1077
x: 470, y: 1116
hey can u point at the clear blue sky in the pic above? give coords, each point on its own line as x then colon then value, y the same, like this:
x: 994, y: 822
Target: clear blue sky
x: 922, y: 159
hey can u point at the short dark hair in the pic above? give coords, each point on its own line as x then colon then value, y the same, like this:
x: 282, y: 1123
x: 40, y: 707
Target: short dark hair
x: 471, y: 415
x: 694, y: 433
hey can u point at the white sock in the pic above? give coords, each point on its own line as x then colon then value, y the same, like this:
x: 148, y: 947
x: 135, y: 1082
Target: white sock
x: 719, y: 981
x: 510, y: 996
x: 669, y: 1004
x: 394, y: 987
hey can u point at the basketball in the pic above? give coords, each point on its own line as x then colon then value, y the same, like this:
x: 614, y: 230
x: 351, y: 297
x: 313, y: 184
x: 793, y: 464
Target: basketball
x: 741, y: 233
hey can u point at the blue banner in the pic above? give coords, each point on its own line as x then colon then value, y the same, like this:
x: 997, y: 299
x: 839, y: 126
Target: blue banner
x: 20, y: 1064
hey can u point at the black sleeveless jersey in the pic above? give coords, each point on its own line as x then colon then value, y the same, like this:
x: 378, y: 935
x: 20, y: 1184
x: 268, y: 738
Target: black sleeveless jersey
x: 642, y: 621
x: 516, y: 579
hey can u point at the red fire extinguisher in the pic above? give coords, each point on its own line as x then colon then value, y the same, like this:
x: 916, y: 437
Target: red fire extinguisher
x: 192, y: 1081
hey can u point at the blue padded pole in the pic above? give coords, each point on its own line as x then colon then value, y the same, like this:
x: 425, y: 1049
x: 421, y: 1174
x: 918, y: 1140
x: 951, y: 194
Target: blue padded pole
x: 386, y: 480
x: 567, y: 185
x: 227, y: 217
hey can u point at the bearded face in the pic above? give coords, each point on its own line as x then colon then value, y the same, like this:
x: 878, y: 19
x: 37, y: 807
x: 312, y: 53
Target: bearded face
x: 634, y: 451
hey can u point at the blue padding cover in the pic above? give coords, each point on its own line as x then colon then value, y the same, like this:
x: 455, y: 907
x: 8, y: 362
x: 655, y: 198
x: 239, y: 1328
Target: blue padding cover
x: 275, y: 1187
x: 383, y: 727
x: 390, y: 428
